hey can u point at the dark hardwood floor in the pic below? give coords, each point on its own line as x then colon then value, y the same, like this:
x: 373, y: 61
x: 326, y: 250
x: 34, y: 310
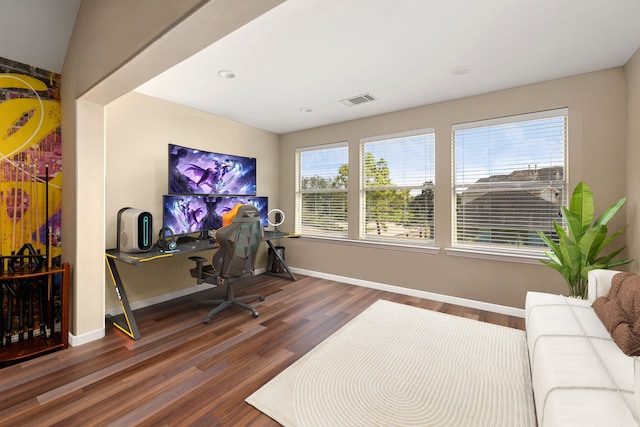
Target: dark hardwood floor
x: 184, y: 372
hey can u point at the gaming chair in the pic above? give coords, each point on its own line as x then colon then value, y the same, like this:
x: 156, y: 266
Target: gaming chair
x: 233, y: 260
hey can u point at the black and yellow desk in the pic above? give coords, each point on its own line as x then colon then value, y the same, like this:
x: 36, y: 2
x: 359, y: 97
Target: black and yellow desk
x: 127, y: 322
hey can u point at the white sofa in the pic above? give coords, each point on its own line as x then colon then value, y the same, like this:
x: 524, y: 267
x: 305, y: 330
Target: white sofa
x: 580, y: 377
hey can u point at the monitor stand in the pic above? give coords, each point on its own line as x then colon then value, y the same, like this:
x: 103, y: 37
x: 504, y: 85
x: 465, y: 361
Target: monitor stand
x: 182, y: 240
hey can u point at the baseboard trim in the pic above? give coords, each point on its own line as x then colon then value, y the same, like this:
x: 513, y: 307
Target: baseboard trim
x: 114, y: 311
x: 511, y: 311
x: 76, y: 340
x: 480, y: 305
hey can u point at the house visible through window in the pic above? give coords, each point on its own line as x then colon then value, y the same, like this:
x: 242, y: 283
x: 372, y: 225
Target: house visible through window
x: 397, y: 187
x: 322, y: 181
x: 509, y: 180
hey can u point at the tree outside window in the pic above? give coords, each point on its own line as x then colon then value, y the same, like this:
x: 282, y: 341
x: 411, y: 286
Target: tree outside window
x: 397, y: 188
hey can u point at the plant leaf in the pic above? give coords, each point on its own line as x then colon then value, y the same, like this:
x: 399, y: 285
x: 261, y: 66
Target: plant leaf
x: 571, y: 257
x: 559, y: 268
x: 552, y: 264
x: 607, y: 258
x: 609, y: 239
x: 610, y: 212
x: 550, y: 243
x: 574, y: 224
x: 587, y: 268
x: 553, y: 257
x: 590, y: 244
x: 619, y: 262
x: 582, y: 204
x: 559, y: 230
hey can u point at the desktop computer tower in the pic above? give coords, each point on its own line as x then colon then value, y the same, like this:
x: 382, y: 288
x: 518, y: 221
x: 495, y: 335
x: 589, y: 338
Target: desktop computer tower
x: 273, y: 263
x: 135, y: 229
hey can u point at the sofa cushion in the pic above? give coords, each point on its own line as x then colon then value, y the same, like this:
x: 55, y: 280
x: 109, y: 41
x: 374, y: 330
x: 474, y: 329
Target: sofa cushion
x: 619, y: 311
x: 579, y: 375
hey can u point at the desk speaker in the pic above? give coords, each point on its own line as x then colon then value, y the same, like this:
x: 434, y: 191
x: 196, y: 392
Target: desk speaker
x: 134, y: 230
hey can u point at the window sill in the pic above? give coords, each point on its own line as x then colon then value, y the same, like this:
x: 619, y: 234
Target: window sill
x: 431, y: 250
x: 497, y: 255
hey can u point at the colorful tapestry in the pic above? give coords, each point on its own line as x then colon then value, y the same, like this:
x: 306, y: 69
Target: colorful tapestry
x: 30, y: 160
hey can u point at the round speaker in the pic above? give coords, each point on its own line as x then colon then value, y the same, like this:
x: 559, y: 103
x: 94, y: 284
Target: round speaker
x: 167, y: 240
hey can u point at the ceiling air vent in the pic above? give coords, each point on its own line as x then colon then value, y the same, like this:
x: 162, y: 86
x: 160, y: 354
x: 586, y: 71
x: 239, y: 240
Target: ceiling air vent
x: 360, y: 99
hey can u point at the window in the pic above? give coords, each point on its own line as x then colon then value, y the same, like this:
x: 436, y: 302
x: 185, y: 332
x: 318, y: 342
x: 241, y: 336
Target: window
x: 321, y: 190
x: 509, y: 180
x: 397, y: 187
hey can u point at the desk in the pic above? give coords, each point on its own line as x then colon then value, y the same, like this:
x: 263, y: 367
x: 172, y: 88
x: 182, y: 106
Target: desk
x: 128, y: 323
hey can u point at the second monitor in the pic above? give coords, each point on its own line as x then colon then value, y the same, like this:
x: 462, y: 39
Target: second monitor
x: 188, y: 214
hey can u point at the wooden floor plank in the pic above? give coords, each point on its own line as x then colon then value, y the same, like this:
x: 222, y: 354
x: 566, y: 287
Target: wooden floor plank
x: 184, y: 372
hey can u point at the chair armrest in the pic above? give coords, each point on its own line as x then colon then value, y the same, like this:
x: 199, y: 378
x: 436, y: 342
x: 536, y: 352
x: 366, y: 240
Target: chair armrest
x: 599, y: 283
x: 199, y: 264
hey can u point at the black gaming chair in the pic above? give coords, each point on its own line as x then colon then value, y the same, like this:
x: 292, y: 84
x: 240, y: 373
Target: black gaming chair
x: 233, y: 260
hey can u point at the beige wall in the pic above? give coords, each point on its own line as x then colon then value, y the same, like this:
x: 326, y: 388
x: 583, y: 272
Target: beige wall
x: 138, y: 130
x: 633, y: 158
x: 597, y: 134
x: 116, y: 46
x: 106, y: 35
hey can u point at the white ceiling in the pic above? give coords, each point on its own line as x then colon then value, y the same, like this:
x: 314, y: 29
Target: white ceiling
x: 314, y: 53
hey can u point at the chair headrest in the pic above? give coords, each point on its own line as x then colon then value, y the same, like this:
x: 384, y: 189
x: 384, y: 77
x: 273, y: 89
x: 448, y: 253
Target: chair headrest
x: 240, y: 212
x: 247, y: 213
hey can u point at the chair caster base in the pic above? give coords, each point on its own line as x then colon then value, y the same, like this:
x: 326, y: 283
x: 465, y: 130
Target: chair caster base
x: 207, y: 320
x: 261, y: 298
x: 255, y: 314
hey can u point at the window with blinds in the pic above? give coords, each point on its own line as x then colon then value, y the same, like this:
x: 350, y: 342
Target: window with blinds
x: 321, y: 190
x: 397, y: 187
x: 509, y: 180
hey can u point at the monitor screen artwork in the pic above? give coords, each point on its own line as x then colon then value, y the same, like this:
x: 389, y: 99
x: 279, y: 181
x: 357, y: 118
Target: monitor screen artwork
x: 262, y: 203
x: 193, y: 171
x: 187, y: 214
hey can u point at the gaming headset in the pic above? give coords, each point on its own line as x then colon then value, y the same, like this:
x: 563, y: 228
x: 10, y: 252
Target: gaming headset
x: 167, y: 240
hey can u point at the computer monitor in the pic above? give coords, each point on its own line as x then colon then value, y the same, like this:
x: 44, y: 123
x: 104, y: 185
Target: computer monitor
x: 189, y: 214
x: 194, y: 171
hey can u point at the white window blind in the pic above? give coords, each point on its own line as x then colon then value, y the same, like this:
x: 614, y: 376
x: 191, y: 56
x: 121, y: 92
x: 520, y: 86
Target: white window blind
x: 321, y: 190
x: 510, y: 180
x: 397, y: 187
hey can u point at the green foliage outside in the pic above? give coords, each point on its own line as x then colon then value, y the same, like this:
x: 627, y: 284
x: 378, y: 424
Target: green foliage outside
x: 384, y: 206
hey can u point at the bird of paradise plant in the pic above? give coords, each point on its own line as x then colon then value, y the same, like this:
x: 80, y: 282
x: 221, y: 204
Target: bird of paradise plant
x: 577, y: 252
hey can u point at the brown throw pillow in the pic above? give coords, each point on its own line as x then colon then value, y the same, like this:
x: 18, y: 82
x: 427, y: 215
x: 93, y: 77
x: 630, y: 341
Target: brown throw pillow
x: 619, y: 312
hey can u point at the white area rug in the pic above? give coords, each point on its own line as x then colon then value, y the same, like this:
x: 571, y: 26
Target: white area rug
x: 398, y: 365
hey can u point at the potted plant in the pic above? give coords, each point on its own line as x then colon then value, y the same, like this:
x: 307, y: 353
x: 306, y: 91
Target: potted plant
x: 577, y: 252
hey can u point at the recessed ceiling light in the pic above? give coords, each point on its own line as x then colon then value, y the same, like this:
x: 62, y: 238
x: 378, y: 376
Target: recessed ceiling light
x: 306, y: 109
x: 463, y: 69
x: 226, y: 74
